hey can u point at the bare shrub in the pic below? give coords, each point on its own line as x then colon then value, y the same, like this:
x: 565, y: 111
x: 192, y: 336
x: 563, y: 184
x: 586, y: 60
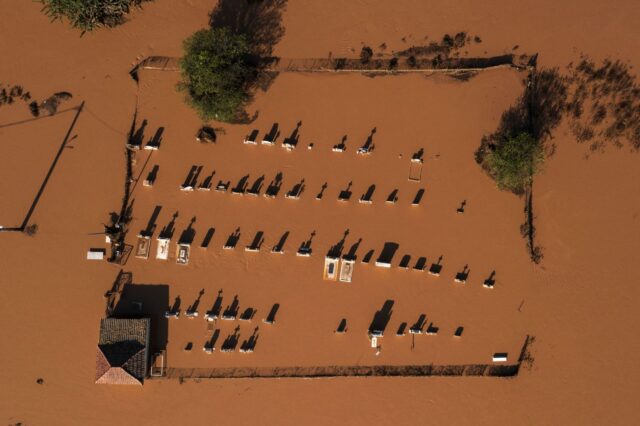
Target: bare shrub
x: 31, y: 230
x: 365, y: 55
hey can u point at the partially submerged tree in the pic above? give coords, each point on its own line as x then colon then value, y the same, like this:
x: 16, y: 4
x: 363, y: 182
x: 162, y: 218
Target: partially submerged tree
x: 515, y: 161
x: 88, y: 15
x: 516, y: 150
x: 514, y: 153
x: 365, y: 54
x: 217, y: 74
x: 206, y: 134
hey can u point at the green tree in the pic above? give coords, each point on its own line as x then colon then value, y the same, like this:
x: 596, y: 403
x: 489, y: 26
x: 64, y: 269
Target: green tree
x: 90, y: 14
x: 514, y: 162
x: 217, y: 73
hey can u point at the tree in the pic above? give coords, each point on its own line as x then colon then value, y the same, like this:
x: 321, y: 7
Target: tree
x: 88, y: 15
x: 514, y: 162
x: 217, y: 73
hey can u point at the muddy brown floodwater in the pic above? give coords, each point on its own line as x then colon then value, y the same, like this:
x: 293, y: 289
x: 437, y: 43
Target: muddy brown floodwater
x: 579, y: 303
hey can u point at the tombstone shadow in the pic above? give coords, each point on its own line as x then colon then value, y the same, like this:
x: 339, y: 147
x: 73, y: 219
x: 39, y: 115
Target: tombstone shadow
x: 416, y: 328
x: 152, y: 176
x: 271, y: 136
x: 247, y: 314
x: 176, y: 305
x: 342, y: 146
x: 207, y: 182
x: 436, y: 268
x: 342, y: 326
x: 249, y: 345
x: 241, y: 186
x: 252, y: 137
x: 491, y: 281
x: 381, y: 319
x: 222, y: 186
x: 462, y: 276
x: 366, y: 197
x: 156, y: 140
x: 404, y: 262
x: 432, y: 329
x: 188, y: 234
x: 274, y: 186
x: 194, y: 306
x: 256, y: 187
x: 421, y: 263
x: 321, y: 193
x: 188, y: 181
x: 151, y: 224
x: 214, y: 312
x: 335, y: 251
x: 292, y: 140
x: 271, y: 317
x: 305, y: 247
x: 207, y: 238
x: 417, y: 156
x: 279, y: 247
x: 346, y: 193
x: 137, y: 137
x: 368, y: 256
x: 351, y: 254
x: 231, y: 342
x: 393, y: 197
x: 256, y: 244
x: 296, y: 191
x: 368, y: 145
x: 211, y: 343
x: 191, y: 180
x: 388, y: 252
x: 168, y: 231
x: 233, y: 239
x: 231, y: 311
x: 418, y: 198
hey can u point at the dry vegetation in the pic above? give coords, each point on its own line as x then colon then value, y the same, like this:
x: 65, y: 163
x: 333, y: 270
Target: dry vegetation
x: 601, y: 103
x: 9, y: 94
x: 604, y: 106
x: 88, y: 15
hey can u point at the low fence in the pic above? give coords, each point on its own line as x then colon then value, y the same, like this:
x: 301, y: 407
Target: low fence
x: 487, y: 370
x: 396, y: 65
x: 317, y: 372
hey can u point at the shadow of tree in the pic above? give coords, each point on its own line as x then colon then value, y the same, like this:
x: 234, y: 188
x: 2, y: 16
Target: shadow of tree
x: 538, y: 111
x: 260, y: 22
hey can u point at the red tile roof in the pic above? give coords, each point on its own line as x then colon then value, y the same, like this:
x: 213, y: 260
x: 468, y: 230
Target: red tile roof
x: 122, y: 353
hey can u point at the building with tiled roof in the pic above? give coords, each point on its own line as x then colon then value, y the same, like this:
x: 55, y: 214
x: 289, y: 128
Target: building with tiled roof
x: 123, y: 351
